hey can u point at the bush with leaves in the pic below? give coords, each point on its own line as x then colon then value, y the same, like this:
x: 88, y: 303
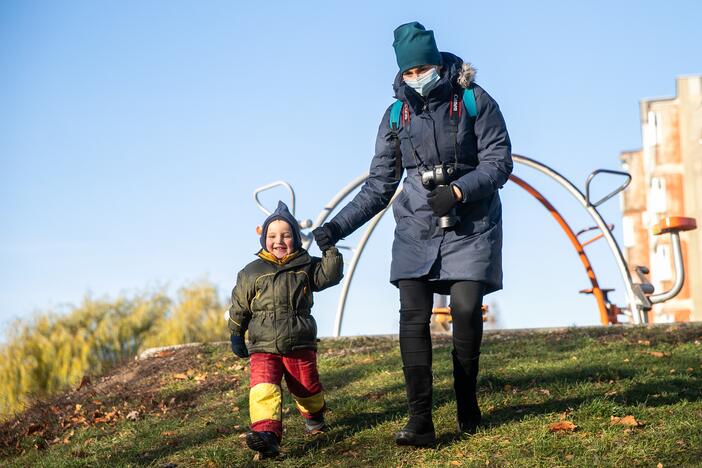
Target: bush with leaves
x: 52, y: 351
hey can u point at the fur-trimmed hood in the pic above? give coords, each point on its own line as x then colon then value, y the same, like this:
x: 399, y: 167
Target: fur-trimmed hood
x: 453, y: 70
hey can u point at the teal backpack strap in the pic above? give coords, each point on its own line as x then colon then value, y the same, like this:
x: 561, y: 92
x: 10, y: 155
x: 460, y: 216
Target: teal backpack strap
x: 469, y: 102
x: 395, y: 112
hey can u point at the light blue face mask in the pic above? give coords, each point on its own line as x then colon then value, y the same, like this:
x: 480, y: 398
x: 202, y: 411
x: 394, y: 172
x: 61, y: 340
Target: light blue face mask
x: 425, y: 83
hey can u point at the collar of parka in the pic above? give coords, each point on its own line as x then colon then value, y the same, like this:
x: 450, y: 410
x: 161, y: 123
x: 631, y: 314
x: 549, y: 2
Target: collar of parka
x: 265, y: 255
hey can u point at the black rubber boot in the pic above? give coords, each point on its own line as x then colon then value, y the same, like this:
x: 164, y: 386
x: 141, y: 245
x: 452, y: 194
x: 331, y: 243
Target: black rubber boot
x: 419, y: 430
x: 266, y: 443
x: 465, y: 377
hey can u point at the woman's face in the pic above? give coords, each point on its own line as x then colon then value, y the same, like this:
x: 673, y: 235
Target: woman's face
x: 415, y: 72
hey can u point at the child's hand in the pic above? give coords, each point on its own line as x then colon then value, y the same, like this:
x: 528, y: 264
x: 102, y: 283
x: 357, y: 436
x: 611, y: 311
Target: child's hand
x: 239, y: 346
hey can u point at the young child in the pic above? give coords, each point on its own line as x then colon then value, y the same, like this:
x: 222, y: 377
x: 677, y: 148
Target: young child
x: 273, y: 300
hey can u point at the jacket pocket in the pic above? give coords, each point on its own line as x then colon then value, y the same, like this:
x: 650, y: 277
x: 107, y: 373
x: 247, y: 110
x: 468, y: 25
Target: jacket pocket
x: 301, y: 297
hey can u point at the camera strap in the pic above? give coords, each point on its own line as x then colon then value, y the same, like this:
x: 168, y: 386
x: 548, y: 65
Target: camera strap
x: 400, y: 114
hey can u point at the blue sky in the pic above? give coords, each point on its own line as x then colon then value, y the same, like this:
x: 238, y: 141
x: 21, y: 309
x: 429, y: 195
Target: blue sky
x: 132, y: 135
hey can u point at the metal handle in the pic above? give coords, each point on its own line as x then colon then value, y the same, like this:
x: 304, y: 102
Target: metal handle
x: 611, y: 194
x: 270, y: 186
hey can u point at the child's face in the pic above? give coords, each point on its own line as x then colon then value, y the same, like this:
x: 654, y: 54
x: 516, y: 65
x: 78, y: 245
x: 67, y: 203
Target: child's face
x: 279, y: 238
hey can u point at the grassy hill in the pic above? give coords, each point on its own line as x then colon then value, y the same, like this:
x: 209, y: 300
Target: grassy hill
x: 622, y: 396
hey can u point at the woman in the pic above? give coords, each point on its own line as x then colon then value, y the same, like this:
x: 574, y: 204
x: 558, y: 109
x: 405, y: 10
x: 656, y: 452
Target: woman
x: 448, y: 237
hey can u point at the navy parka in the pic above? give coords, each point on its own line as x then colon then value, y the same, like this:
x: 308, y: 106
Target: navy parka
x: 482, y: 148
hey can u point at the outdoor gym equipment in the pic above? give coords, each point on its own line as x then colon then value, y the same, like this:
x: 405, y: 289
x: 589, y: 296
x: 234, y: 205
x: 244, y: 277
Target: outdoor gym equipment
x: 639, y: 295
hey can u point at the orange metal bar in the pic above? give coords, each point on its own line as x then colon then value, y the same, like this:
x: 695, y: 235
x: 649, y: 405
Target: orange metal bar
x: 590, y: 241
x: 596, y: 291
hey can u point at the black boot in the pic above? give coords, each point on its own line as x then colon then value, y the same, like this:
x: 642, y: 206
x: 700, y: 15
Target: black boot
x: 266, y: 443
x: 465, y: 377
x: 419, y: 430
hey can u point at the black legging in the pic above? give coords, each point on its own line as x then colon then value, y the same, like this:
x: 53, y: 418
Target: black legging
x: 416, y: 301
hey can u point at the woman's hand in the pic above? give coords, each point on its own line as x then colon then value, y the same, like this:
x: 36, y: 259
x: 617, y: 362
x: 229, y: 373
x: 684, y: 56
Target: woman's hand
x: 443, y: 198
x: 327, y: 235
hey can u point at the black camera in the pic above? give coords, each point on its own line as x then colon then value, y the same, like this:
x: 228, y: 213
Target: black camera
x: 436, y: 176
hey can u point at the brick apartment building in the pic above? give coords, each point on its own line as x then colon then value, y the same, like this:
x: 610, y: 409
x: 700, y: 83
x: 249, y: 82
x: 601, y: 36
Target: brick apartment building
x: 667, y: 181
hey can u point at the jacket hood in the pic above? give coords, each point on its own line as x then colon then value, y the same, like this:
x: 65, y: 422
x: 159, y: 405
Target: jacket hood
x: 454, y: 72
x: 282, y: 213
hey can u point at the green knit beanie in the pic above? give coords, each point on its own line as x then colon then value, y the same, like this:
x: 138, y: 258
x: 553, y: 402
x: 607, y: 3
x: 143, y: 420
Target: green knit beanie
x: 415, y: 46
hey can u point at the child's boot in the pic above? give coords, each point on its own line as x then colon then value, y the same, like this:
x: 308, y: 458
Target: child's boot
x: 315, y: 425
x: 419, y: 430
x: 264, y: 442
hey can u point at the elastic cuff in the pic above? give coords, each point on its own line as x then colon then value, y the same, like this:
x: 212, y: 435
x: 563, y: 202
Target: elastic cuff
x: 331, y: 252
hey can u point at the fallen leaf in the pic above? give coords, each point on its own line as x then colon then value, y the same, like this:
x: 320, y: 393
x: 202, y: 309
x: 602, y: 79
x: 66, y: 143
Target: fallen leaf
x: 644, y: 342
x: 170, y: 433
x: 569, y: 457
x: 625, y: 421
x: 562, y: 426
x: 180, y: 376
x: 133, y: 416
x: 455, y: 463
x: 656, y: 353
x: 545, y: 391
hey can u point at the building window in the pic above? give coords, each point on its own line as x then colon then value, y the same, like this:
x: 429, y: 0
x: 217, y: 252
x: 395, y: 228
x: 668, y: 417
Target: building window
x: 628, y: 232
x: 657, y: 202
x: 650, y: 134
x: 661, y: 269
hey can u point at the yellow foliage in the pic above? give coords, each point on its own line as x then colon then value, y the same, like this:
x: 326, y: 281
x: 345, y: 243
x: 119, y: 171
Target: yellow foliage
x: 51, y: 351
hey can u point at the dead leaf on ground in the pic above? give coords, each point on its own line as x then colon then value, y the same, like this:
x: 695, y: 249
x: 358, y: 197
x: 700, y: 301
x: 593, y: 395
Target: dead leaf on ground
x: 562, y: 426
x: 658, y: 354
x: 180, y: 376
x: 644, y: 342
x: 625, y: 421
x: 168, y: 433
x: 455, y: 463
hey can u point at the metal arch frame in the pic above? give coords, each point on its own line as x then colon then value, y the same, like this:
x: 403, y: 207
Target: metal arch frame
x: 579, y: 247
x: 636, y: 306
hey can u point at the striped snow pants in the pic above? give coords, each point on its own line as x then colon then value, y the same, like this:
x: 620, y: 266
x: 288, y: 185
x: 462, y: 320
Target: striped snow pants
x: 266, y: 396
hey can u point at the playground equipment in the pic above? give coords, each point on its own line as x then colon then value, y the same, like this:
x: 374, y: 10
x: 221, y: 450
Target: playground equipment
x: 639, y: 295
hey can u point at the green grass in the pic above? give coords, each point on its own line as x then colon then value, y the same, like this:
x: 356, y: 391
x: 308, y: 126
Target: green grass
x: 527, y: 381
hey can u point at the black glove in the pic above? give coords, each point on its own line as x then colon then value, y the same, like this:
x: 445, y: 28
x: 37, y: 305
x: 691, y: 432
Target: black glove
x: 327, y: 235
x: 239, y: 346
x: 441, y: 200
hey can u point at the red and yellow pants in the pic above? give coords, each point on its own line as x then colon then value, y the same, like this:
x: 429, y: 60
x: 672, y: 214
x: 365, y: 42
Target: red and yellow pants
x: 266, y: 397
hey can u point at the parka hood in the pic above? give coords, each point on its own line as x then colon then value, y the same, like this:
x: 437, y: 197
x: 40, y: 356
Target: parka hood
x: 454, y: 71
x: 282, y: 213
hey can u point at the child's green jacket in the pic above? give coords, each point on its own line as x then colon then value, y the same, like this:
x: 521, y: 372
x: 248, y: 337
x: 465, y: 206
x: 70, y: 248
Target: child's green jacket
x: 274, y: 301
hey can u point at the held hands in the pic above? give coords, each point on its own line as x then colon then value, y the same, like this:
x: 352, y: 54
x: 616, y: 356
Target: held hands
x: 327, y: 235
x: 443, y: 198
x: 239, y: 346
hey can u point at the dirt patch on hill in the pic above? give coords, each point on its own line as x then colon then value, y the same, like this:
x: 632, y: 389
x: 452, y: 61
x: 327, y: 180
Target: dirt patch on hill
x: 130, y: 391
